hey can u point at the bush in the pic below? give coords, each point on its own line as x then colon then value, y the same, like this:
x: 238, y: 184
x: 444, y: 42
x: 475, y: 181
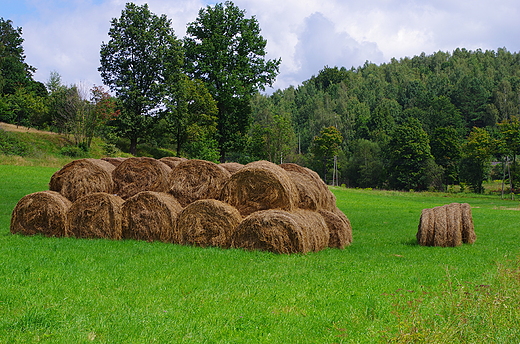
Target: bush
x: 72, y: 151
x: 10, y: 145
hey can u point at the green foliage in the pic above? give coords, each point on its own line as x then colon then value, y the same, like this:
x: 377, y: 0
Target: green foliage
x: 325, y: 146
x: 141, y: 55
x: 10, y: 145
x: 365, y: 167
x: 477, y: 153
x: 225, y: 50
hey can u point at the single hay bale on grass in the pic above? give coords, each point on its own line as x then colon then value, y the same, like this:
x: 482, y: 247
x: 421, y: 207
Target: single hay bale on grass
x: 193, y: 180
x: 449, y: 225
x: 232, y: 167
x: 140, y: 174
x: 208, y: 222
x: 43, y: 213
x: 279, y: 231
x: 340, y: 229
x: 314, y: 193
x: 468, y: 228
x: 151, y: 216
x: 82, y: 177
x: 172, y: 161
x: 114, y: 161
x: 260, y: 185
x: 96, y: 215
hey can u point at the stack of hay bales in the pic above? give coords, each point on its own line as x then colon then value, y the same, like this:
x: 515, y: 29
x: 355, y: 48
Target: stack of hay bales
x: 284, y: 209
x: 449, y: 225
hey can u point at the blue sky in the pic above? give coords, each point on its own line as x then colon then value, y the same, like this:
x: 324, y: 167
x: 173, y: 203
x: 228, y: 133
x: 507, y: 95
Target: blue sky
x: 65, y: 35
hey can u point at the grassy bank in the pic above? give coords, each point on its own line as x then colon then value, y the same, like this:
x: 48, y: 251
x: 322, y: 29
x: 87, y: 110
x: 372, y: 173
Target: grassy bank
x: 383, y: 288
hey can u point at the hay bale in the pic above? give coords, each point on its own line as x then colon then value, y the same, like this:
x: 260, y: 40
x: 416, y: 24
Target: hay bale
x: 468, y: 228
x: 96, y: 215
x: 426, y: 229
x: 172, y: 161
x: 259, y: 186
x: 151, y: 216
x: 140, y: 174
x: 43, y: 213
x: 208, y: 222
x: 232, y: 167
x: 446, y: 226
x: 453, y: 225
x: 280, y: 231
x: 340, y: 229
x: 193, y: 180
x: 314, y: 193
x: 82, y: 177
x: 114, y: 161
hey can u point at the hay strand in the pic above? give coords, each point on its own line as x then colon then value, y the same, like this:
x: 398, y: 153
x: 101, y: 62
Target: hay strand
x: 208, y: 222
x: 140, y: 174
x: 82, y: 177
x: 340, y: 229
x: 96, y: 215
x: 172, y: 161
x: 426, y: 229
x: 232, y: 167
x: 283, y: 232
x: 260, y: 186
x: 454, y: 225
x: 43, y: 213
x: 468, y: 228
x: 194, y: 180
x: 114, y: 161
x: 440, y: 227
x: 151, y: 216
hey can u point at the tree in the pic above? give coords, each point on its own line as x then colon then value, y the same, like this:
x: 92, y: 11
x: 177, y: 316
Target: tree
x: 477, y: 152
x: 446, y: 149
x: 141, y: 55
x: 325, y: 146
x: 365, y: 167
x: 408, y: 153
x: 226, y: 51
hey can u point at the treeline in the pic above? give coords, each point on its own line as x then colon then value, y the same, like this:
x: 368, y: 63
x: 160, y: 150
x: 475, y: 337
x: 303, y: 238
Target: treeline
x: 419, y: 123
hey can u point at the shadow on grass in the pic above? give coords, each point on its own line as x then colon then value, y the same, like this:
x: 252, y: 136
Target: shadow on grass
x: 410, y: 242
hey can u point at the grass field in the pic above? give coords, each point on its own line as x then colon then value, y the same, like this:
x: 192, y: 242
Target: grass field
x: 383, y: 288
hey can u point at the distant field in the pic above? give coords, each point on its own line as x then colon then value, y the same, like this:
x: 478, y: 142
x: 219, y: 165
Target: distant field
x: 383, y: 288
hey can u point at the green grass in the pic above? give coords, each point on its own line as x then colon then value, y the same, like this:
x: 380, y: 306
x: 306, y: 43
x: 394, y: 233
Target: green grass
x: 383, y: 288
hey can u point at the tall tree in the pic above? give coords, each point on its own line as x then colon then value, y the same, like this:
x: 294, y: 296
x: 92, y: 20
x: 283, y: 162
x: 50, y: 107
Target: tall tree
x: 325, y: 146
x: 226, y: 51
x: 142, y: 53
x: 475, y: 164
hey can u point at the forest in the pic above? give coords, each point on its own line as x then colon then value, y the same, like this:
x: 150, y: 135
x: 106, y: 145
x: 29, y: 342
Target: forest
x: 427, y: 122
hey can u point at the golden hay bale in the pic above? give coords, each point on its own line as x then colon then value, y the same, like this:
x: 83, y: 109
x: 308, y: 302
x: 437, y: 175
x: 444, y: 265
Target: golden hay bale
x: 81, y: 177
x: 454, y: 225
x: 140, y: 174
x: 314, y: 193
x: 43, y: 213
x: 151, y: 216
x: 281, y: 231
x: 114, y: 161
x: 232, y: 167
x: 172, y: 161
x: 446, y: 226
x: 426, y: 229
x: 96, y: 215
x: 259, y: 186
x: 208, y: 222
x: 340, y: 230
x: 468, y: 228
x: 193, y: 180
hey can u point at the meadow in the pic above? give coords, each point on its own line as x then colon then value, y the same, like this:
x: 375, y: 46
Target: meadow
x: 384, y: 288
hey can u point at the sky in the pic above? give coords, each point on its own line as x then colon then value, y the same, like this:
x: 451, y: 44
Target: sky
x: 65, y: 36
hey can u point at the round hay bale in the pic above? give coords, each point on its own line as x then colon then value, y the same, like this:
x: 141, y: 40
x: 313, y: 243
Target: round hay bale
x: 259, y: 186
x: 151, y: 216
x: 172, y: 161
x: 193, y: 180
x: 468, y: 228
x: 232, y: 167
x: 314, y: 193
x: 426, y: 229
x: 280, y: 231
x: 208, y: 222
x: 140, y: 174
x: 43, y: 213
x: 82, y: 177
x: 114, y: 161
x: 440, y: 227
x: 340, y: 230
x: 454, y: 225
x: 96, y: 215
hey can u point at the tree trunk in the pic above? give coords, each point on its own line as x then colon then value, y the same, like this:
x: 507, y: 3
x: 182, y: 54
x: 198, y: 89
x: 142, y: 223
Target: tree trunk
x: 133, y: 145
